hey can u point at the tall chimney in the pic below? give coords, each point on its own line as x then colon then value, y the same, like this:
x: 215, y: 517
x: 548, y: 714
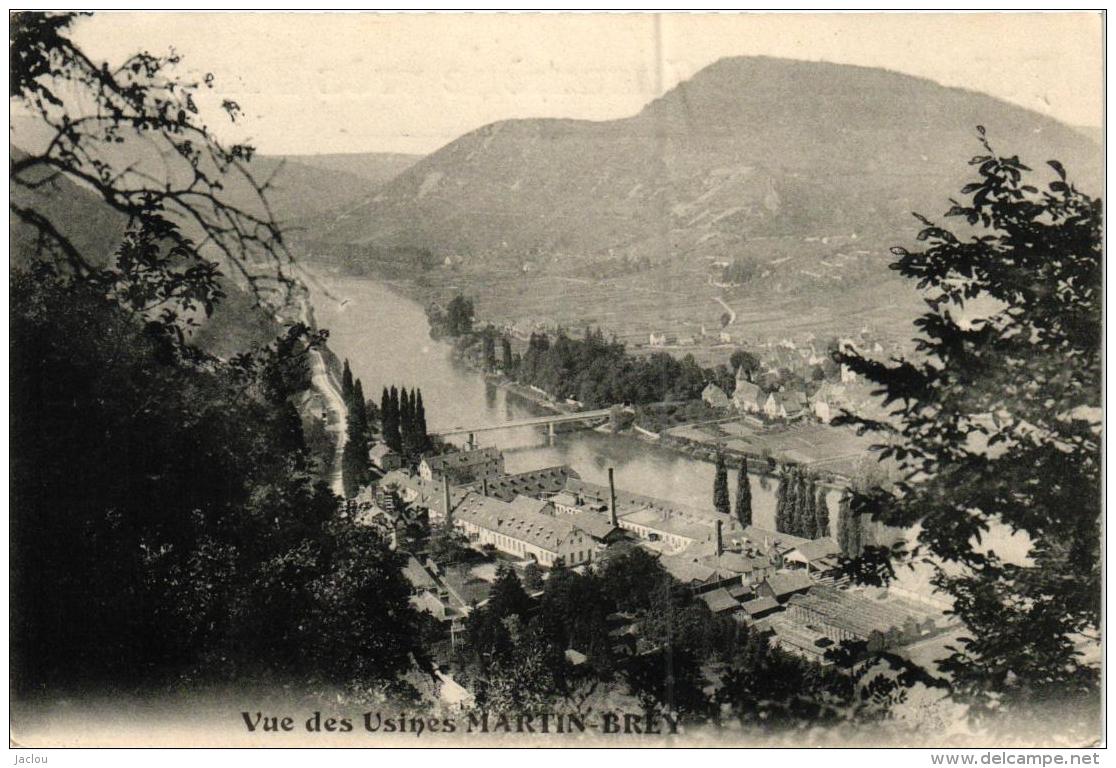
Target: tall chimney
x: 612, y: 500
x: 446, y: 500
x: 720, y: 543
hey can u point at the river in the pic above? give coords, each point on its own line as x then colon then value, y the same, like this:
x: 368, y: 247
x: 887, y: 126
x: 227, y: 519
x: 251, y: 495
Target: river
x: 386, y: 339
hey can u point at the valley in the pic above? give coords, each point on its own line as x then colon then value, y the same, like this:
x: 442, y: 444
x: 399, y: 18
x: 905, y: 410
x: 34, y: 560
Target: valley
x: 802, y: 174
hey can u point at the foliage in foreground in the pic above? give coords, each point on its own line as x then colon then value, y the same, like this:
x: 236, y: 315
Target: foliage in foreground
x: 166, y: 523
x: 996, y: 423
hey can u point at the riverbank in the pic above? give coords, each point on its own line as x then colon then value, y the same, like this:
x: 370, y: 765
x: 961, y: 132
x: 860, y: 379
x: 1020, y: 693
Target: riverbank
x: 834, y: 452
x: 324, y: 372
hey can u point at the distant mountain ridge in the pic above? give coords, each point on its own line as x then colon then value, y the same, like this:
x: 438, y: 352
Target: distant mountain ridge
x: 303, y: 188
x: 375, y: 167
x: 748, y: 148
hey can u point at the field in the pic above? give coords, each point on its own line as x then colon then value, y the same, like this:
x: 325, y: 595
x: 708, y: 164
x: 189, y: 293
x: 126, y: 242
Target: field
x: 834, y: 449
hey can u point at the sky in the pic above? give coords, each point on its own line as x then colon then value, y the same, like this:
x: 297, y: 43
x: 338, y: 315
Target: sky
x: 363, y: 82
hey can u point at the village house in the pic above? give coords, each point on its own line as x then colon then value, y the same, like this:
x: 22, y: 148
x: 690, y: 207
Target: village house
x: 522, y: 528
x: 714, y: 396
x: 785, y: 405
x: 768, y: 379
x: 828, y: 400
x: 429, y: 595
x: 748, y: 398
x: 462, y: 466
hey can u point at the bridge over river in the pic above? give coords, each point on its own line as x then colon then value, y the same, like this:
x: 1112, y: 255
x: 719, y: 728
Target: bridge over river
x: 537, y: 421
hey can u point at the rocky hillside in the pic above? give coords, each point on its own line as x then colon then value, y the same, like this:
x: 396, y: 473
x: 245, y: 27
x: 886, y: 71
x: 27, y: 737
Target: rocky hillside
x: 748, y: 149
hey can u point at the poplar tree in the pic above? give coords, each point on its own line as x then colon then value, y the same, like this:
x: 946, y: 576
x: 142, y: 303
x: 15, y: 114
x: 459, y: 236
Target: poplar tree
x: 346, y: 383
x: 356, y: 467
x: 821, y: 513
x: 782, y: 519
x: 359, y: 413
x: 843, y: 538
x: 404, y: 418
x: 508, y: 363
x: 420, y: 424
x: 720, y: 487
x: 392, y: 435
x: 387, y: 416
x: 807, y: 496
x: 744, y: 496
x: 791, y: 513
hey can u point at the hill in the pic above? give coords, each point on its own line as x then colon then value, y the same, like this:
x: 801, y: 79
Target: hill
x: 808, y: 171
x: 95, y: 229
x: 303, y: 190
x: 748, y: 147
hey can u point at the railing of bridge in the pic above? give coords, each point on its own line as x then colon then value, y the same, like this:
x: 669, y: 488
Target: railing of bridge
x: 534, y: 421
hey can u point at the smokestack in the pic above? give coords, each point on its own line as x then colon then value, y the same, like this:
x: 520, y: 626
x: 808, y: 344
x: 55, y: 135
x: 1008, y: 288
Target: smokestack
x: 720, y: 543
x: 484, y: 485
x: 612, y: 500
x: 446, y: 499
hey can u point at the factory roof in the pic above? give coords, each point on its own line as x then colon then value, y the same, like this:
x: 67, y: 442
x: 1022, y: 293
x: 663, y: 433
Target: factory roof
x: 596, y: 525
x: 547, y: 480
x: 719, y: 600
x: 675, y: 526
x: 517, y: 520
x: 462, y: 459
x: 788, y: 582
x: 760, y: 605
x: 817, y: 549
x: 685, y: 570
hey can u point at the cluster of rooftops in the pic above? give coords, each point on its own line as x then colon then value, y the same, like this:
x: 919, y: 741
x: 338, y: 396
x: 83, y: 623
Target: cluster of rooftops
x: 776, y: 581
